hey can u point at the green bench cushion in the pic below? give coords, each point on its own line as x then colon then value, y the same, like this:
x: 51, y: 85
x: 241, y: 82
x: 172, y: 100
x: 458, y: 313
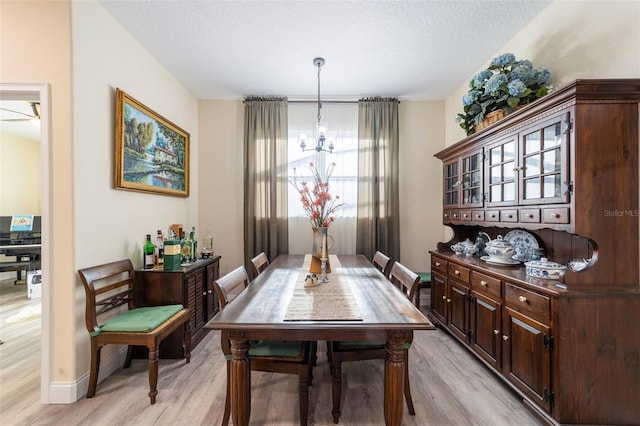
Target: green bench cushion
x: 355, y: 344
x: 425, y: 277
x: 141, y: 320
x: 273, y: 348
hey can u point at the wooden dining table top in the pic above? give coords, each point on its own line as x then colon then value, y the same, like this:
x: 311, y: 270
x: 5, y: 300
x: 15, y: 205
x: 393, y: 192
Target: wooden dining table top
x: 259, y: 310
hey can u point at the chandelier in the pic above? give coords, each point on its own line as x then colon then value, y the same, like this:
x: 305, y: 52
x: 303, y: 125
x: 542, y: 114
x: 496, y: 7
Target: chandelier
x: 321, y: 128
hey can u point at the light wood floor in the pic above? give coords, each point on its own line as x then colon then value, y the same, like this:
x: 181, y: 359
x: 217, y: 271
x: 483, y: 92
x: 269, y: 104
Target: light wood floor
x: 449, y: 387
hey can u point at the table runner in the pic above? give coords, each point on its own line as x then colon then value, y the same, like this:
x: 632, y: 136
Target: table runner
x: 332, y: 301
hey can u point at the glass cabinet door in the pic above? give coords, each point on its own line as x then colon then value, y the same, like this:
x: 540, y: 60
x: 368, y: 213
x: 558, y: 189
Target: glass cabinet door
x: 471, y: 171
x: 543, y: 162
x: 451, y: 184
x: 501, y: 172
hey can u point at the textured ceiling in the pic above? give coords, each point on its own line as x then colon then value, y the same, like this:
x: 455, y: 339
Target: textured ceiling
x: 407, y: 49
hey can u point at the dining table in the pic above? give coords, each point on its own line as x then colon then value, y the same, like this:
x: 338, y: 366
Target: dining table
x: 357, y: 303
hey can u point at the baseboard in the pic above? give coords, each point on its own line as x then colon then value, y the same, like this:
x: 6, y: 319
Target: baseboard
x: 70, y: 392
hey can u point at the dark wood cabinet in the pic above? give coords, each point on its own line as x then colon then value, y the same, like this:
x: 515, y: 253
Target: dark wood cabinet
x: 564, y: 168
x: 192, y: 287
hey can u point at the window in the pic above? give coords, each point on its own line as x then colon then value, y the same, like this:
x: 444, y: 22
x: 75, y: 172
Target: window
x: 342, y: 120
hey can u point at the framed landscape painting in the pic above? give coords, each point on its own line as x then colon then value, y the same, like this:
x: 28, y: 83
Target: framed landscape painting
x: 152, y: 153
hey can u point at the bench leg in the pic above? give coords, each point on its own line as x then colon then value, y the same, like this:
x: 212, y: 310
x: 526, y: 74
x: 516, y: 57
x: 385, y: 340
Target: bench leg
x: 153, y: 373
x: 336, y: 385
x: 95, y: 369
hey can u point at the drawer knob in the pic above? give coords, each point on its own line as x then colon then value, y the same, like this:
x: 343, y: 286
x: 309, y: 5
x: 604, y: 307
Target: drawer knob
x: 483, y: 283
x: 437, y: 263
x: 496, y: 332
x: 448, y: 300
x: 493, y: 215
x: 554, y: 215
x: 509, y: 216
x: 478, y: 216
x: 444, y: 297
x: 455, y: 215
x: 522, y: 299
x: 456, y: 272
x: 204, y: 293
x: 505, y: 337
x: 528, y: 216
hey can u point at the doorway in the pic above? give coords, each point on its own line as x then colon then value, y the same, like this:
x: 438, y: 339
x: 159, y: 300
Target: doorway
x: 39, y: 92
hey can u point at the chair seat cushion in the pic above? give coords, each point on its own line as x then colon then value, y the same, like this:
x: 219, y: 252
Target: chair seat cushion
x: 291, y: 350
x: 349, y: 345
x: 141, y: 320
x: 425, y: 277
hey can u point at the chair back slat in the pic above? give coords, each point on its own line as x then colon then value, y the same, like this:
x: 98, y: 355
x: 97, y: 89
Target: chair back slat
x: 112, y: 280
x: 406, y: 279
x: 382, y: 262
x: 259, y: 263
x: 228, y: 285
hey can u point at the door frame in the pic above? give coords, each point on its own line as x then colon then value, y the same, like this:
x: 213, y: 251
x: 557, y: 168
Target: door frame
x: 40, y: 92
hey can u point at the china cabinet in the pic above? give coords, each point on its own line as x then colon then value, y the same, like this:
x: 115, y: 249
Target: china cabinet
x: 190, y: 286
x: 564, y: 169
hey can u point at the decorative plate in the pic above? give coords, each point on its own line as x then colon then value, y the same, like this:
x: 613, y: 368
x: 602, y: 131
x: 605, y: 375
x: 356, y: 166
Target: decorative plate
x: 509, y: 262
x: 523, y: 242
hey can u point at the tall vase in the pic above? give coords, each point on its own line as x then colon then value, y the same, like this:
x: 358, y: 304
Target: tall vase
x: 322, y: 243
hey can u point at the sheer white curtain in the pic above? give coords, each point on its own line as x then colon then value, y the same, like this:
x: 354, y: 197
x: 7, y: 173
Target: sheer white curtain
x: 342, y: 120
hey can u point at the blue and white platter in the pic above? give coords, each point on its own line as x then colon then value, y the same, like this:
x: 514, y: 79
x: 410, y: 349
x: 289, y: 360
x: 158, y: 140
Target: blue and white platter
x: 523, y: 243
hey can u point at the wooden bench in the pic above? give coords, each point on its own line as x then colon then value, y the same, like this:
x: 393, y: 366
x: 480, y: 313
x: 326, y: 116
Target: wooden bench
x: 107, y: 288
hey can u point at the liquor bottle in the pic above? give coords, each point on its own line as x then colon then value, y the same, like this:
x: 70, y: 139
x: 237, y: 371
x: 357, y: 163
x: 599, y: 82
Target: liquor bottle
x: 160, y: 248
x: 185, y: 249
x: 148, y: 251
x: 194, y: 244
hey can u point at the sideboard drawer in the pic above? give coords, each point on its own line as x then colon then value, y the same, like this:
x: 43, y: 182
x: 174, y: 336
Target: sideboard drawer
x: 438, y: 264
x: 510, y: 215
x: 477, y: 215
x: 485, y: 284
x: 458, y: 272
x: 530, y: 215
x: 535, y: 305
x: 492, y: 215
x: 558, y: 215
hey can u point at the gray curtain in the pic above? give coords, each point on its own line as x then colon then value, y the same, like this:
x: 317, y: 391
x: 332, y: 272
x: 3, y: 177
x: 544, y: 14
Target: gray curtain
x: 378, y: 225
x: 265, y: 177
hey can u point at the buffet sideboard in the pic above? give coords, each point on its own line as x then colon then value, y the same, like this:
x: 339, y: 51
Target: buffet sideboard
x: 565, y: 169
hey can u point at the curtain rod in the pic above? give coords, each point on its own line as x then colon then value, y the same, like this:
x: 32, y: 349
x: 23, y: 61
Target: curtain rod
x: 323, y: 102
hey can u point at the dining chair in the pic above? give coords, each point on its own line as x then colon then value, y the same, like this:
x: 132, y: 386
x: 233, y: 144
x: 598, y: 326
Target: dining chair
x: 109, y: 289
x: 275, y: 356
x: 343, y: 351
x: 259, y: 263
x: 382, y: 262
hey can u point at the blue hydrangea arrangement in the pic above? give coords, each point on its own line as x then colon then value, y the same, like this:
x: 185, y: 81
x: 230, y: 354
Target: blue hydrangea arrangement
x: 505, y: 85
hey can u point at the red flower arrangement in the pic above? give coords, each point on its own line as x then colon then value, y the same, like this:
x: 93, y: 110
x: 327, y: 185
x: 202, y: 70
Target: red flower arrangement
x: 319, y: 205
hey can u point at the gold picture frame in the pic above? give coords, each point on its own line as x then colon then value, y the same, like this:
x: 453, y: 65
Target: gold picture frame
x: 152, y: 153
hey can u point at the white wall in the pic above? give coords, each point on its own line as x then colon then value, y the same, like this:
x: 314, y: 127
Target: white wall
x: 221, y: 178
x: 19, y: 175
x: 111, y: 224
x: 573, y: 39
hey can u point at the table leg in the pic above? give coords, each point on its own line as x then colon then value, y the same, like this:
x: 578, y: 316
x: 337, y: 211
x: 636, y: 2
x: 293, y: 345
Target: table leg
x: 240, y: 381
x: 394, y: 379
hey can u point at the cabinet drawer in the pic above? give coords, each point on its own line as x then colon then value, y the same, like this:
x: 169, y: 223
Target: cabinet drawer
x: 466, y: 215
x: 534, y: 305
x: 485, y: 284
x: 439, y: 265
x: 458, y: 272
x: 477, y: 215
x: 492, y: 216
x: 510, y: 215
x: 530, y: 215
x: 558, y: 215
x: 450, y: 215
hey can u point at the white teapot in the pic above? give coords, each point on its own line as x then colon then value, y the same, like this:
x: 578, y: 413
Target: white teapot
x: 499, y: 249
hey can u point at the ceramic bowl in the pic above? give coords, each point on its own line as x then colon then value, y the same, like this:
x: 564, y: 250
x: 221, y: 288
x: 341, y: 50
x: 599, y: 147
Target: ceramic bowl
x: 544, y: 268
